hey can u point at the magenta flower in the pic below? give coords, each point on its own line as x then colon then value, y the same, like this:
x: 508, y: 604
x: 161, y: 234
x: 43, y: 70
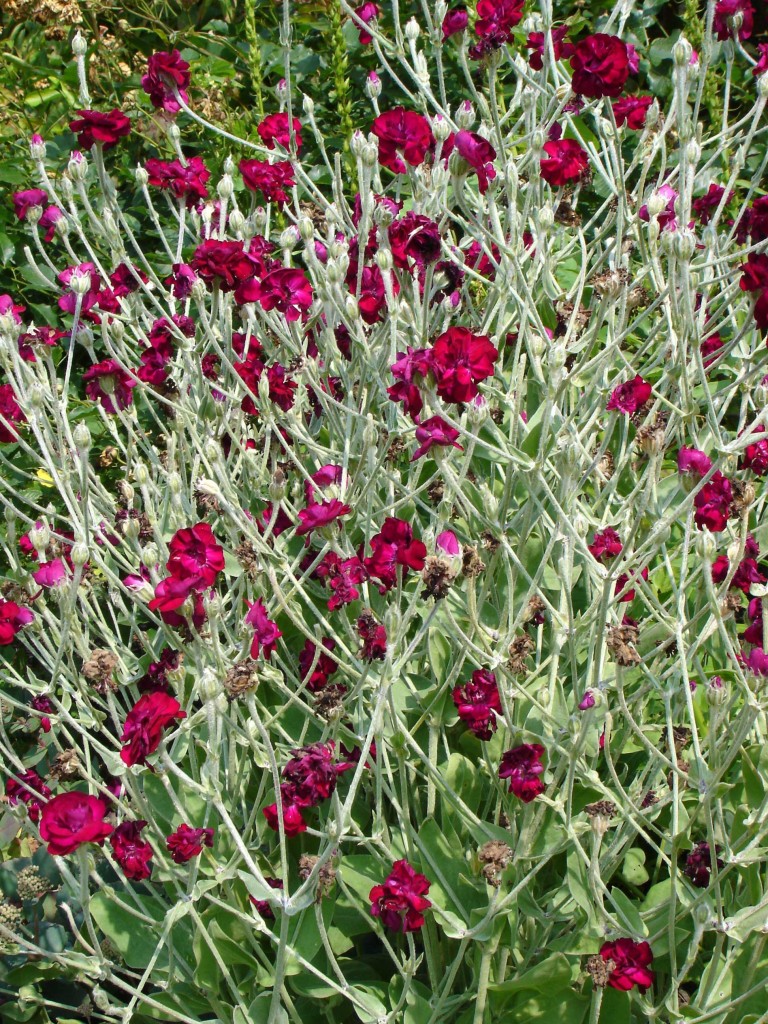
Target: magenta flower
x: 460, y: 361
x: 367, y: 12
x: 144, y: 724
x: 167, y: 73
x: 274, y: 128
x: 713, y: 504
x: 96, y: 129
x: 374, y: 637
x: 699, y: 862
x: 565, y: 161
x: 108, y: 383
x: 400, y: 900
x: 476, y: 151
x: 271, y: 179
x: 693, y: 462
x: 287, y: 290
x: 455, y: 21
x: 132, y: 853
x: 313, y: 772
x: 72, y: 819
x: 536, y: 43
x: 12, y: 618
x: 50, y: 574
x: 522, y: 766
x: 704, y: 206
x: 600, y: 66
x: 435, y: 432
x: 222, y: 263
x: 495, y: 21
x: 403, y: 133
x: 632, y: 111
x: 631, y: 961
x: 606, y: 545
x: 25, y: 200
x: 187, y: 842
x: 667, y: 219
x: 293, y: 820
x: 31, y: 790
x: 320, y: 514
x: 10, y: 414
x: 630, y: 396
x: 186, y: 180
x: 726, y: 11
x: 195, y: 556
x: 478, y: 703
x: 266, y: 632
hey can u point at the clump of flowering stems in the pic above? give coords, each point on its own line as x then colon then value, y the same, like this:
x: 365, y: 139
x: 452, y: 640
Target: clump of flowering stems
x: 401, y: 651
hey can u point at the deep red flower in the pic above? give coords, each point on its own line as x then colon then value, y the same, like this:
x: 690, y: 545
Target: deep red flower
x: 372, y: 299
x: 108, y: 383
x: 403, y: 133
x: 762, y: 64
x: 522, y: 766
x: 459, y: 361
x: 435, y: 432
x: 414, y: 236
x: 374, y: 637
x: 694, y: 462
x: 713, y: 504
x: 630, y: 396
x: 632, y: 111
x: 170, y: 595
x: 706, y: 204
x: 44, y: 705
x: 186, y: 180
x: 195, y: 556
x: 96, y: 129
x: 164, y: 72
x: 367, y: 12
x: 726, y: 11
x: 144, y: 725
x: 600, y: 66
x: 319, y: 514
x: 131, y: 852
x: 754, y: 273
x: 317, y: 678
x: 266, y: 634
x: 68, y: 301
x: 51, y: 216
x: 536, y: 43
x: 10, y: 413
x: 478, y: 702
x: 495, y: 21
x: 12, y: 618
x: 71, y: 819
x: 287, y: 289
x: 755, y: 455
x: 342, y: 577
x: 271, y: 179
x: 293, y: 819
x: 31, y: 790
x: 187, y: 842
x: 225, y: 263
x: 313, y: 773
x: 565, y: 161
x: 274, y: 128
x: 698, y: 864
x: 455, y: 21
x: 263, y: 906
x: 400, y: 900
x: 476, y: 151
x: 632, y: 960
x: 393, y: 546
x: 623, y: 580
x: 605, y: 545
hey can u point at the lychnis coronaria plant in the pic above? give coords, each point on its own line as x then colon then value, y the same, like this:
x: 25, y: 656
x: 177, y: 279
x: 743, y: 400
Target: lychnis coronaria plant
x: 382, y: 612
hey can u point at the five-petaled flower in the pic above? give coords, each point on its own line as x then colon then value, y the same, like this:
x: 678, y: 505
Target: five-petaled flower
x: 71, y: 819
x: 522, y: 766
x: 400, y: 901
x: 631, y: 962
x: 187, y: 842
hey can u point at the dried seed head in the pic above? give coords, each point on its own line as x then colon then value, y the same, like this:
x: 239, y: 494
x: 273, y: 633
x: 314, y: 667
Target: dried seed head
x: 472, y: 563
x: 620, y: 641
x: 600, y: 815
x: 681, y: 737
x: 490, y: 542
x: 494, y: 856
x: 519, y: 650
x: 605, y: 466
x: 326, y: 876
x: 437, y: 576
x: 98, y: 668
x: 329, y: 702
x: 435, y: 491
x: 241, y: 679
x: 66, y: 765
x: 599, y: 970
x: 650, y: 438
x: 566, y: 215
x: 246, y: 555
x: 534, y: 609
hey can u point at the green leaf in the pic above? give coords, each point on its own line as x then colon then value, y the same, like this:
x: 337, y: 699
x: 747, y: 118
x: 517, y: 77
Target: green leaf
x: 551, y: 975
x: 628, y: 913
x: 633, y: 868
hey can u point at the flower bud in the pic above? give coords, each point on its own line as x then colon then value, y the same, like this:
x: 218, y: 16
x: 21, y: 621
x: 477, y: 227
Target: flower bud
x: 79, y: 554
x: 717, y: 692
x: 174, y: 483
x: 706, y: 546
x: 289, y: 238
x: 141, y: 474
x: 546, y: 217
x: 79, y: 45
x: 333, y: 272
x: 40, y: 536
x: 306, y: 228
x: 412, y: 31
x: 77, y: 168
x: 384, y: 259
x: 762, y: 86
x: 309, y: 106
x: 465, y: 115
x: 226, y: 187
x: 80, y: 282
x: 693, y: 152
x: 682, y: 52
x: 356, y: 143
x: 82, y: 437
x: 351, y: 307
x: 281, y: 90
x: 538, y: 139
x: 373, y: 85
x: 236, y: 222
x: 198, y: 291
x: 142, y: 178
x: 684, y: 244
x: 150, y: 555
x: 37, y: 147
x: 370, y: 155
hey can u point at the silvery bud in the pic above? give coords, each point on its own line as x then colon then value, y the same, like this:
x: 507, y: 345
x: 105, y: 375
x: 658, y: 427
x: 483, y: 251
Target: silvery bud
x: 465, y: 115
x: 581, y: 524
x: 546, y: 217
x: 289, y: 238
x: 77, y: 168
x: 174, y: 482
x: 684, y: 244
x: 226, y: 187
x: 412, y: 30
x: 309, y: 106
x: 762, y: 85
x: 538, y: 139
x: 259, y: 217
x: 82, y: 437
x: 198, y: 291
x: 80, y: 282
x: 79, y: 45
x: 141, y: 474
x: 441, y: 129
x: 652, y: 115
x: 373, y: 85
x: 333, y: 272
x: 351, y: 307
x: 656, y: 204
x: 478, y: 412
x: 682, y: 52
x: 34, y: 213
x: 236, y: 222
x: 229, y: 165
x: 37, y: 147
x: 150, y: 555
x: 693, y: 152
x: 79, y: 554
x: 761, y: 395
x: 306, y: 228
x: 142, y: 178
x: 212, y: 450
x: 277, y: 486
x: 384, y: 259
x: 717, y: 692
x: 356, y: 143
x: 706, y: 546
x: 370, y: 154
x: 40, y: 536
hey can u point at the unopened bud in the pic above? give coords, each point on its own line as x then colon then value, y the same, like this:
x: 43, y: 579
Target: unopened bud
x: 309, y: 106
x: 82, y: 437
x: 373, y: 85
x: 79, y: 45
x: 236, y: 222
x: 79, y: 554
x: 412, y: 30
x: 706, y: 546
x: 77, y: 167
x: 546, y: 217
x: 37, y: 147
x: 684, y: 244
x: 351, y: 307
x: 289, y: 238
x: 465, y: 115
x: 717, y: 692
x: 762, y: 85
x: 150, y: 555
x: 142, y: 178
x: 682, y: 52
x: 277, y: 486
x: 370, y: 154
x: 174, y: 483
x: 306, y: 228
x: 384, y: 259
x: 356, y: 143
x: 198, y: 292
x: 40, y: 536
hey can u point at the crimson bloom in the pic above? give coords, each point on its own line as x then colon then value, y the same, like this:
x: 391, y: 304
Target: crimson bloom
x: 266, y: 632
x: 271, y: 179
x: 725, y: 13
x: 263, y: 906
x: 478, y: 702
x: 108, y: 383
x: 402, y: 132
x: 565, y: 161
x: 631, y: 961
x: 10, y: 413
x: 313, y: 772
x: 187, y: 842
x: 632, y: 111
x: 455, y: 21
x: 522, y: 766
x: 477, y: 152
x: 755, y: 455
x: 170, y: 595
x: 286, y: 289
x: 600, y: 66
x: 374, y: 637
x: 195, y: 555
x: 293, y: 819
x: 394, y: 545
x: 144, y: 725
x: 698, y: 864
x: 96, y: 129
x: 536, y: 43
x: 495, y: 21
x: 435, y: 432
x: 400, y: 900
x: 12, y: 618
x: 713, y: 503
x: 605, y: 545
x: 274, y: 128
x: 319, y: 514
x: 186, y: 180
x: 25, y: 200
x: 31, y: 790
x: 166, y: 73
x: 459, y: 361
x: 223, y: 263
x: 693, y: 461
x: 324, y: 665
x: 72, y: 819
x: 131, y: 852
x: 630, y: 396
x: 367, y: 12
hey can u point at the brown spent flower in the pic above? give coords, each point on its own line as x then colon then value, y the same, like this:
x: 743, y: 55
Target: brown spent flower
x: 326, y: 876
x: 494, y: 856
x: 620, y: 641
x: 437, y: 577
x: 329, y: 702
x: 241, y: 678
x: 743, y: 495
x: 207, y: 502
x: 98, y: 668
x: 649, y: 800
x: 519, y: 650
x: 605, y: 466
x: 600, y: 814
x: 246, y: 555
x: 435, y: 491
x: 566, y: 215
x: 65, y: 765
x: 534, y: 608
x: 610, y: 283
x: 650, y: 438
x: 599, y: 970
x: 681, y: 737
x: 490, y: 542
x: 565, y: 316
x: 397, y: 448
x: 637, y: 297
x: 472, y: 564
